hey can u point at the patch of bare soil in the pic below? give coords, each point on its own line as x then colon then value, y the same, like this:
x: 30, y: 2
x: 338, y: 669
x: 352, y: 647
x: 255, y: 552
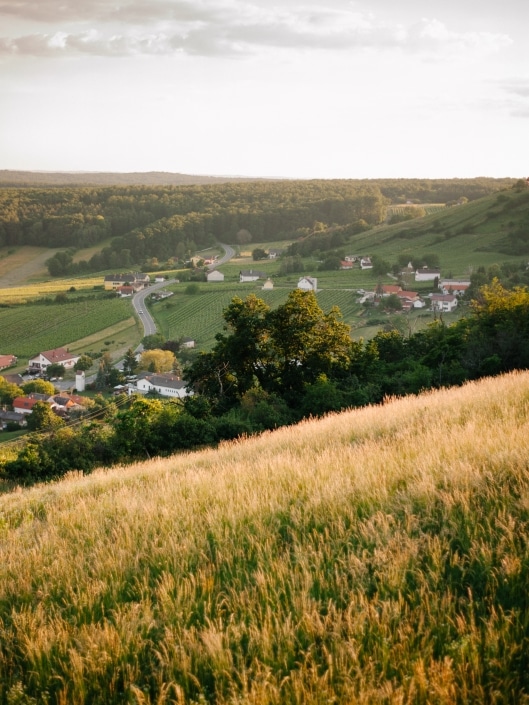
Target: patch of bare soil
x: 26, y: 262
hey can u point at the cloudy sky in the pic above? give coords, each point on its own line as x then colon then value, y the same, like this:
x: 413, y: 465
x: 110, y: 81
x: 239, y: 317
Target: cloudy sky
x: 276, y: 88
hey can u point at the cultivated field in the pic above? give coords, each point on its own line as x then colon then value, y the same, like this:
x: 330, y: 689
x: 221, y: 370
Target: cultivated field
x: 33, y: 327
x: 376, y: 556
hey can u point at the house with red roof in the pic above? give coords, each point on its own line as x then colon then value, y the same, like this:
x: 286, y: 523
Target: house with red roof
x: 60, y: 356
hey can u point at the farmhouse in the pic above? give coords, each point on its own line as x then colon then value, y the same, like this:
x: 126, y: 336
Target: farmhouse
x: 11, y: 417
x: 60, y: 356
x: 444, y: 302
x: 137, y: 280
x: 7, y: 361
x: 165, y: 384
x: 251, y: 275
x: 346, y: 264
x: 308, y: 284
x: 365, y: 263
x: 458, y: 287
x: 24, y: 405
x: 215, y: 276
x: 274, y: 254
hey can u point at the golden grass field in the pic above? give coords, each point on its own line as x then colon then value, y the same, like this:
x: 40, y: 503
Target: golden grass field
x: 380, y: 555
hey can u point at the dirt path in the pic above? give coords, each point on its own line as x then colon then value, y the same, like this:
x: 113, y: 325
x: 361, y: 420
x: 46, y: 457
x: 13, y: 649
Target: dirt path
x: 21, y: 265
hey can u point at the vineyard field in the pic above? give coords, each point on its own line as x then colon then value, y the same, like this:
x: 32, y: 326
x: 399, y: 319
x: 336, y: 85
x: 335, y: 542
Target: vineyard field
x: 25, y: 330
x: 200, y: 315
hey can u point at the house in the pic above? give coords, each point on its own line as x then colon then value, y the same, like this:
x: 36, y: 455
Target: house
x: 11, y: 417
x: 187, y: 343
x: 214, y: 276
x: 458, y: 287
x: 443, y: 302
x: 427, y: 275
x: 365, y: 263
x: 125, y: 291
x: 167, y: 385
x: 138, y: 280
x: 388, y: 289
x: 24, y: 405
x: 346, y: 264
x: 269, y: 284
x: 251, y: 275
x: 274, y: 254
x: 159, y: 279
x: 7, y: 361
x: 60, y: 356
x: 308, y: 284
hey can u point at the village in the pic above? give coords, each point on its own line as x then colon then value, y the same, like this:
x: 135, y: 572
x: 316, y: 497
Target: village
x: 68, y: 401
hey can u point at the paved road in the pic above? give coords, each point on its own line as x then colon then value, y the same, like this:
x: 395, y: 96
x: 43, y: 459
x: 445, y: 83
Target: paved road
x: 138, y: 302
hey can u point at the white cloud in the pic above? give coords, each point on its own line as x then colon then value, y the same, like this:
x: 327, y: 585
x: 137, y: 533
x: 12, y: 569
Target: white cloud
x: 222, y: 28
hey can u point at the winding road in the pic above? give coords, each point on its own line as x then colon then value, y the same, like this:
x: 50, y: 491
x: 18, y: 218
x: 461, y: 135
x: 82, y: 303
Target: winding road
x: 138, y: 300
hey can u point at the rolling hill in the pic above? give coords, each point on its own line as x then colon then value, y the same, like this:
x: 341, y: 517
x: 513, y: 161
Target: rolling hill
x: 375, y: 556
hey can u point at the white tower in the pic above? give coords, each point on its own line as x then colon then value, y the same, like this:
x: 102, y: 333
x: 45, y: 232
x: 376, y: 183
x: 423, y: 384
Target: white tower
x: 80, y: 381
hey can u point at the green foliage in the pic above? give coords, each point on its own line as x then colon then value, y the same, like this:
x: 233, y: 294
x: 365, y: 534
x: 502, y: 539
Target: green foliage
x: 258, y: 254
x: 40, y: 386
x: 43, y: 418
x: 153, y: 341
x: 84, y: 363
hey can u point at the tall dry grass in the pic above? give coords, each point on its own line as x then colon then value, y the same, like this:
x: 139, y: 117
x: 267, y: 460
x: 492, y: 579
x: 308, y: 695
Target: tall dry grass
x: 375, y: 556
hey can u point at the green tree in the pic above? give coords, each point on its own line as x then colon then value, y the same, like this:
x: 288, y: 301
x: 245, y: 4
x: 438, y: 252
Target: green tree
x: 258, y: 254
x: 38, y: 386
x: 130, y: 364
x: 9, y: 391
x: 55, y: 370
x: 43, y: 418
x: 84, y: 363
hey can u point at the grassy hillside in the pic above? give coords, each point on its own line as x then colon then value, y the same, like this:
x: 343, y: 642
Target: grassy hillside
x: 377, y: 556
x: 464, y: 236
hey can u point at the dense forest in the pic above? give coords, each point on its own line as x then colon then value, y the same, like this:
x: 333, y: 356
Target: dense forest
x: 169, y: 222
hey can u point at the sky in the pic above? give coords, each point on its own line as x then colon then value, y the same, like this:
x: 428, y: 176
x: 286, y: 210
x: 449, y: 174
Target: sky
x: 266, y: 88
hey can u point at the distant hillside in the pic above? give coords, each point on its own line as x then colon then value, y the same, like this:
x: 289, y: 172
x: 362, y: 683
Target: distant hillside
x: 486, y: 231
x: 376, y: 556
x: 89, y: 178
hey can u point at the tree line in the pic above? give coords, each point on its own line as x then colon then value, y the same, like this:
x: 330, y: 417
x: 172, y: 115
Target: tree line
x: 165, y: 222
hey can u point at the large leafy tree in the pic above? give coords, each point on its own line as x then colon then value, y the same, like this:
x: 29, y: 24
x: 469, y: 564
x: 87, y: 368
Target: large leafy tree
x: 279, y: 350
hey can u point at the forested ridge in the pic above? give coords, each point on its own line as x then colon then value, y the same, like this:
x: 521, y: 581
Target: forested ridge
x: 168, y: 221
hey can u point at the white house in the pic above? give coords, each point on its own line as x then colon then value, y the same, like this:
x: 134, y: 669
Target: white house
x: 138, y: 280
x: 167, y: 385
x: 215, y: 276
x: 59, y: 356
x: 458, y: 287
x: 269, y: 284
x: 427, y: 275
x: 251, y: 275
x: 365, y: 263
x: 308, y: 284
x: 444, y: 302
x: 187, y: 343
